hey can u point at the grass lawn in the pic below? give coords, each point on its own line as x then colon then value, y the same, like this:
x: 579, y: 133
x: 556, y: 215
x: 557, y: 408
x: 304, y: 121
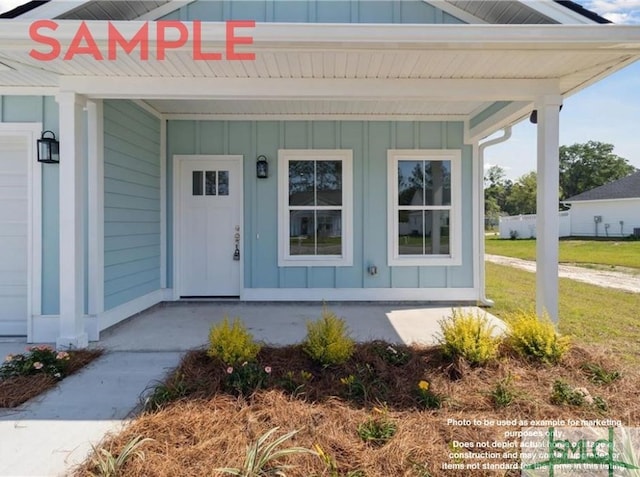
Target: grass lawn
x: 624, y: 253
x: 590, y: 313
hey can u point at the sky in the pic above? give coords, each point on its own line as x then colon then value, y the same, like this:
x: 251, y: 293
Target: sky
x: 608, y: 111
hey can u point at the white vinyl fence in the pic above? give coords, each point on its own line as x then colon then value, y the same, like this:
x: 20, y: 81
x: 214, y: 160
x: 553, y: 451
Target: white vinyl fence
x: 524, y: 226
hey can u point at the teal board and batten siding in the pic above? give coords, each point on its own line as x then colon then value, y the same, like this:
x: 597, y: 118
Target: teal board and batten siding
x: 44, y: 110
x: 369, y: 142
x: 131, y: 203
x: 314, y: 11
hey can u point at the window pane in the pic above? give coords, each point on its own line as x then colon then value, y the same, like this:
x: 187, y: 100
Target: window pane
x: 329, y: 182
x: 301, y: 183
x: 438, y: 182
x: 329, y: 232
x: 437, y: 239
x: 301, y: 232
x: 197, y: 186
x: 410, y: 232
x: 223, y: 182
x: 410, y: 182
x: 210, y: 183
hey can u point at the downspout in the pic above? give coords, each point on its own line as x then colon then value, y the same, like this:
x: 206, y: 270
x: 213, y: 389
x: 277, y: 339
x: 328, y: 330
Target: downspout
x: 480, y: 198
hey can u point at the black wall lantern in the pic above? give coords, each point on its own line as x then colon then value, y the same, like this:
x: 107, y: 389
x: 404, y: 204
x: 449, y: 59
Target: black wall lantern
x: 533, y: 118
x: 48, y: 149
x: 262, y: 167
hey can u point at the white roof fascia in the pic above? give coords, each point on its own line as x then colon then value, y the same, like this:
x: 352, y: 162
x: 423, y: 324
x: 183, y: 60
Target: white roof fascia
x: 457, y: 12
x: 51, y: 9
x: 163, y: 10
x: 394, y: 36
x: 557, y: 12
x: 624, y: 199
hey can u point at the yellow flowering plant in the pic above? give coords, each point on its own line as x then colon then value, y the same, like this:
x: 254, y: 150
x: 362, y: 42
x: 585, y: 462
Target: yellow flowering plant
x: 426, y: 397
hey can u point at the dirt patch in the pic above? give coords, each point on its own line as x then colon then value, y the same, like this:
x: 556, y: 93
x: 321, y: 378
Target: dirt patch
x: 601, y: 278
x: 210, y: 428
x: 19, y: 389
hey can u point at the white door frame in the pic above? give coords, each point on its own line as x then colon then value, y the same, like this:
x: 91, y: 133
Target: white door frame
x: 32, y: 132
x: 177, y: 209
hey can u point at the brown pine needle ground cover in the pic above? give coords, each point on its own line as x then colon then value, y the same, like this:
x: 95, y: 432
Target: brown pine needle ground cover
x: 208, y: 427
x: 19, y: 389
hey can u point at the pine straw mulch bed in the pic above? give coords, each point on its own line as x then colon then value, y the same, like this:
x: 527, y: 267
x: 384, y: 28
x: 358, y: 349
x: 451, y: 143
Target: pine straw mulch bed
x: 208, y: 428
x: 19, y: 389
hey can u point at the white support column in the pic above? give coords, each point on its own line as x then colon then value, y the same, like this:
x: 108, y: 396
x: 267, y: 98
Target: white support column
x: 548, y: 221
x: 72, y: 332
x: 95, y: 202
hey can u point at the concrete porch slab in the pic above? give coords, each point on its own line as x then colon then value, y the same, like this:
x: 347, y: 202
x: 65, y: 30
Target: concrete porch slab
x: 185, y: 325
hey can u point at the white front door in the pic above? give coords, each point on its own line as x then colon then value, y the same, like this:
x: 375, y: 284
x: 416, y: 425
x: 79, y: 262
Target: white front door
x: 209, y: 220
x: 14, y: 229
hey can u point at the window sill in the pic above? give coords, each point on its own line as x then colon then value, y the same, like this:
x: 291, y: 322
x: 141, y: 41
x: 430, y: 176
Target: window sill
x: 435, y: 261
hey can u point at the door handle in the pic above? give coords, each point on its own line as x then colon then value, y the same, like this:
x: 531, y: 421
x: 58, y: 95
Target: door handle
x: 236, y: 252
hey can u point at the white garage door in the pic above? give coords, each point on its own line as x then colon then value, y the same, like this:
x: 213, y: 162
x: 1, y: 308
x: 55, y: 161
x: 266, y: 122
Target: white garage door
x: 14, y: 216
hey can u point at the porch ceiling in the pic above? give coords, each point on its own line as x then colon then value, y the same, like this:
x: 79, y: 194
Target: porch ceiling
x: 436, y: 70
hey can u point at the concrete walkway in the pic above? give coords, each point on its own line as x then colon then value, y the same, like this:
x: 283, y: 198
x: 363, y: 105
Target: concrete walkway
x: 601, y: 278
x: 51, y: 434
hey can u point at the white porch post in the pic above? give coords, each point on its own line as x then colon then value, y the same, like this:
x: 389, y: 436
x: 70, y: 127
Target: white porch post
x: 72, y: 332
x: 548, y: 223
x: 95, y: 202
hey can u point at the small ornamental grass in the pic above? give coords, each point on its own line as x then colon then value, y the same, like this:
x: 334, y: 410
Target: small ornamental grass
x: 504, y: 394
x: 37, y: 360
x: 232, y: 343
x: 377, y: 430
x: 106, y: 464
x: 468, y: 336
x: 328, y: 342
x: 535, y: 339
x: 599, y: 375
x: 261, y: 458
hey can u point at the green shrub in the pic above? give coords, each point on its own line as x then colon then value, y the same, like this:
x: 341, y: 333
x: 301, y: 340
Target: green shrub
x: 232, y: 343
x: 327, y: 341
x: 468, y: 336
x: 563, y: 393
x: 247, y: 378
x: 37, y: 360
x: 536, y: 339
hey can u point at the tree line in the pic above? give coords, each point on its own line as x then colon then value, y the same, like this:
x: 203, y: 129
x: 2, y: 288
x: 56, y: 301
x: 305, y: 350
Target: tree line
x: 582, y: 167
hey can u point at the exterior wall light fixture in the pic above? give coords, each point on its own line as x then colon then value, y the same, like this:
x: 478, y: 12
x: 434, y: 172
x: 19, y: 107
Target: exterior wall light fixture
x: 48, y: 149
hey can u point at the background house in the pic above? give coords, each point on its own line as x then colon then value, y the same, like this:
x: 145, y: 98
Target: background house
x: 611, y: 210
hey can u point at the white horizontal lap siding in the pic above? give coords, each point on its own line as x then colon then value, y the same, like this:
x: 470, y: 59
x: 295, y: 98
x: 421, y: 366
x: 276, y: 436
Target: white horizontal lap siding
x: 131, y: 203
x: 14, y: 214
x: 612, y: 213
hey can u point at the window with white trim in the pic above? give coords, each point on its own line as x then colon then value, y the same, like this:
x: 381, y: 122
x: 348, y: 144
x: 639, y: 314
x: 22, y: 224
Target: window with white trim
x: 315, y: 208
x: 424, y: 208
